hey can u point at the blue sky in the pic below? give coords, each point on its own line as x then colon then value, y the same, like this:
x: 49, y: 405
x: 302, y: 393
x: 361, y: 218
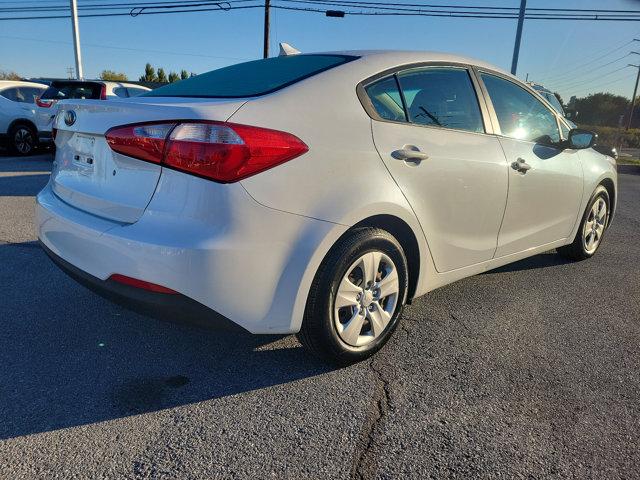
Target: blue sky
x: 553, y: 52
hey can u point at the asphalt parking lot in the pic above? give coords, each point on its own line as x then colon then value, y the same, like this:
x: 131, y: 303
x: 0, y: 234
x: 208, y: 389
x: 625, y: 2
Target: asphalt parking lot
x: 531, y: 371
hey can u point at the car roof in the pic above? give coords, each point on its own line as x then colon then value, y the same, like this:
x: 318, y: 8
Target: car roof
x: 19, y: 83
x: 391, y: 58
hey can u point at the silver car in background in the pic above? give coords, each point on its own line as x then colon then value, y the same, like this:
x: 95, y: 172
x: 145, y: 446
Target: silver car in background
x: 17, y: 115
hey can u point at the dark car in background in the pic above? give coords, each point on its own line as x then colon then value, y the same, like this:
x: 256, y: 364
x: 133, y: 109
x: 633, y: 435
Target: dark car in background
x: 77, y: 90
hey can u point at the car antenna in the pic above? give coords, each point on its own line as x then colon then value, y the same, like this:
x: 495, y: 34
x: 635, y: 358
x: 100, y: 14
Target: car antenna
x: 286, y: 50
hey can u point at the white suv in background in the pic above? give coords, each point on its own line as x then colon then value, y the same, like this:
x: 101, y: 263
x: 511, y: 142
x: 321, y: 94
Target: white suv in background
x: 78, y: 90
x: 17, y: 115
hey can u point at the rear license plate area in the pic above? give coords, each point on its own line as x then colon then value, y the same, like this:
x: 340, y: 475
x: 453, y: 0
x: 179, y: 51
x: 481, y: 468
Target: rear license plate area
x: 83, y: 156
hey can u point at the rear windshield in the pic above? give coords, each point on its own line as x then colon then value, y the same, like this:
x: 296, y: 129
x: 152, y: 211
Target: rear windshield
x: 251, y: 79
x: 79, y: 90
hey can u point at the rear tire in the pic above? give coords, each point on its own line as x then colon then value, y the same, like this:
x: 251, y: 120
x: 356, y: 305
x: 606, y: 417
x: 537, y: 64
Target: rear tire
x: 595, y: 221
x: 22, y: 139
x: 356, y: 297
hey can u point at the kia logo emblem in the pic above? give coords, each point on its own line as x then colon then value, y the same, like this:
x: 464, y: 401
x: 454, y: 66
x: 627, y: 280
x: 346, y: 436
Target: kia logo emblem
x: 69, y: 117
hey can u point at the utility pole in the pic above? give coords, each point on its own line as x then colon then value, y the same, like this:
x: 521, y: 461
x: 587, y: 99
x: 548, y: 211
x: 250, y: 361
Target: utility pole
x: 633, y: 97
x: 76, y: 38
x: 265, y: 50
x: 516, y: 47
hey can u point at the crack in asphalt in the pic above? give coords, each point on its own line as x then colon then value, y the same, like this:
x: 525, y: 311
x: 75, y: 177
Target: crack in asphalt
x: 364, y: 466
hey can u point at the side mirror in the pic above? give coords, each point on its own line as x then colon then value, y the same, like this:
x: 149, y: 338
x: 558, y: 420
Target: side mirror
x: 580, y: 139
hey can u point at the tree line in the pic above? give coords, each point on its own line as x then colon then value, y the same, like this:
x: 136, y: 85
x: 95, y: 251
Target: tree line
x: 150, y: 75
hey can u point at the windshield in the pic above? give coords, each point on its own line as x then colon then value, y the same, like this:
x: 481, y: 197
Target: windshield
x: 251, y: 79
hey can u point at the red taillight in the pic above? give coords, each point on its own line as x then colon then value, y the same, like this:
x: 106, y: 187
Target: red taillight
x: 103, y: 92
x: 224, y: 152
x: 143, y: 141
x: 134, y: 282
x: 44, y: 103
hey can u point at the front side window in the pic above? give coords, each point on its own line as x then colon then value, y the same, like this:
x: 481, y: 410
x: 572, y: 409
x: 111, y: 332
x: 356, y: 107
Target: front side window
x: 520, y: 114
x: 442, y: 97
x: 385, y: 98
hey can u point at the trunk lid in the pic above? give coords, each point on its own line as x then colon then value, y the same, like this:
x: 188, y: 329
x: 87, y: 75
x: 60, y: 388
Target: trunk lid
x: 91, y: 177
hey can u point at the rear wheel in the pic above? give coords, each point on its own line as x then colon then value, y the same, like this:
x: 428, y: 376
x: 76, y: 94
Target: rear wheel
x: 356, y: 298
x: 22, y: 139
x: 594, y: 223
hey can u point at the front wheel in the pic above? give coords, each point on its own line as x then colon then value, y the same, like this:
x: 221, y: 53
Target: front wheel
x: 594, y: 223
x: 356, y: 298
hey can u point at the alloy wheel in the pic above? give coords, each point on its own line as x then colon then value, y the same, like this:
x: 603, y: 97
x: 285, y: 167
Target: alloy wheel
x: 594, y: 226
x: 23, y: 140
x: 366, y: 299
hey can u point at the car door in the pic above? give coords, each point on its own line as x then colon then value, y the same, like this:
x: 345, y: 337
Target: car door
x: 429, y: 129
x: 545, y: 179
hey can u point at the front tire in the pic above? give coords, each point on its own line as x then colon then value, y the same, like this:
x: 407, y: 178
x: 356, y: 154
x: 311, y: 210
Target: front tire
x: 356, y: 298
x: 23, y: 139
x: 592, y: 227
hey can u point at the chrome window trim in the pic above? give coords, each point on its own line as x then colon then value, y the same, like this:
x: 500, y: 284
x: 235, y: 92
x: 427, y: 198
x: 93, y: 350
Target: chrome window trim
x: 394, y: 71
x: 480, y: 70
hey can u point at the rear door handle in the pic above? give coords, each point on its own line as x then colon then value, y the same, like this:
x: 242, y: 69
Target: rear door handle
x: 409, y: 152
x: 521, y: 166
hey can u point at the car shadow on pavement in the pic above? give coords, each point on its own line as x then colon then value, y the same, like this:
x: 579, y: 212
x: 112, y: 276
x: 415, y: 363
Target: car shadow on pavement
x: 70, y: 358
x: 543, y: 260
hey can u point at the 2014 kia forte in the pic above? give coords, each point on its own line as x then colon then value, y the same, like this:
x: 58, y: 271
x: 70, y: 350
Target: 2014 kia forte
x: 317, y: 194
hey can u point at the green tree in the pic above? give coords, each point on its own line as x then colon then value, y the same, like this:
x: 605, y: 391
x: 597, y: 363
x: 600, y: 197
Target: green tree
x: 113, y: 76
x: 149, y: 74
x: 162, y: 77
x: 184, y: 75
x: 559, y: 98
x: 173, y: 77
x: 600, y: 109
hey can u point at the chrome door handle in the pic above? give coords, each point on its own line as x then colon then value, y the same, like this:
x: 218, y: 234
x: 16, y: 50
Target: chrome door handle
x: 409, y: 152
x: 521, y: 166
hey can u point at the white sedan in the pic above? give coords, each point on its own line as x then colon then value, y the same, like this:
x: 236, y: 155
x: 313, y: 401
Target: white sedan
x: 317, y: 194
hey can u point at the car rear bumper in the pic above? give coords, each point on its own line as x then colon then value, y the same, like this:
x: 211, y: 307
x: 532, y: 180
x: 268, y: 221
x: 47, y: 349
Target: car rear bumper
x: 158, y: 305
x: 211, y: 243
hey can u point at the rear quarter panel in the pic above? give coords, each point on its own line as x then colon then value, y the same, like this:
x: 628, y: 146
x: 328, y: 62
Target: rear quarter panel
x: 341, y: 179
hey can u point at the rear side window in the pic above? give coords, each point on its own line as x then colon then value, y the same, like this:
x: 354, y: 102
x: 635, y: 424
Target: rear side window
x: 22, y: 94
x: 120, y: 92
x: 251, y: 79
x: 385, y: 98
x: 442, y: 97
x: 77, y: 90
x: 134, y: 92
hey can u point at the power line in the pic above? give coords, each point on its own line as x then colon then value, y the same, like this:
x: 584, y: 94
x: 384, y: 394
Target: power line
x: 128, y: 14
x: 566, y: 78
x: 590, y: 62
x: 582, y: 91
x: 371, y: 9
x: 586, y: 81
x: 113, y: 47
